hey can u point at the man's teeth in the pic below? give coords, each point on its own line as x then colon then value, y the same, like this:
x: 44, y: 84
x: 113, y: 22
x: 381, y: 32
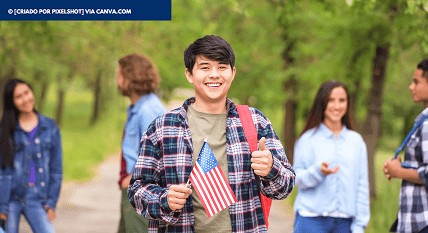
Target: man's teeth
x: 213, y: 84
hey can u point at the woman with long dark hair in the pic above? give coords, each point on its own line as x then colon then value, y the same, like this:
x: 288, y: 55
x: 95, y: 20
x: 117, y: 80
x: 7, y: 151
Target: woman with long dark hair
x: 330, y: 161
x: 31, y: 161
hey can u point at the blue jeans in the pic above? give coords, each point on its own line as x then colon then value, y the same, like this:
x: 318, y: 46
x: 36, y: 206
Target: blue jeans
x: 322, y: 224
x: 33, y: 211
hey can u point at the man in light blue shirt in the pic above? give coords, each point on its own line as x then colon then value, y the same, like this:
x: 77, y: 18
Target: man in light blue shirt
x: 137, y: 79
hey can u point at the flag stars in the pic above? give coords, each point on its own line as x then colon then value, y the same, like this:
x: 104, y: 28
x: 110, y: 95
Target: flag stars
x: 207, y: 159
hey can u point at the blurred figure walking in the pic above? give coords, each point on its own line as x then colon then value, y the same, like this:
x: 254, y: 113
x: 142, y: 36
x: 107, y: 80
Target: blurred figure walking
x: 137, y: 78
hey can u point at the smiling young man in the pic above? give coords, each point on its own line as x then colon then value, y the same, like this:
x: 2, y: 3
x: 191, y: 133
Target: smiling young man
x: 172, y: 143
x: 413, y: 208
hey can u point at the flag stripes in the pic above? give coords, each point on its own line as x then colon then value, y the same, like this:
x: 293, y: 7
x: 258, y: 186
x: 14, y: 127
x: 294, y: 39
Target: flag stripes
x: 212, y: 189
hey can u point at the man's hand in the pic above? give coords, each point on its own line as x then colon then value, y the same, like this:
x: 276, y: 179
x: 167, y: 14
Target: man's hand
x: 328, y: 171
x: 126, y: 181
x: 177, y: 196
x: 3, y: 216
x: 261, y: 160
x: 392, y: 168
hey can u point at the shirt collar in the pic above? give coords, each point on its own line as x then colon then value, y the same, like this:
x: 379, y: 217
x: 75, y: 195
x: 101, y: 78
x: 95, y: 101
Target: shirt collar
x: 324, y: 130
x: 230, y: 105
x: 133, y: 108
x: 423, y: 113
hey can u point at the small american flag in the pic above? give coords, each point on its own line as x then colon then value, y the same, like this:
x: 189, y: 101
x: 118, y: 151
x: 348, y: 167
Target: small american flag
x: 210, y: 183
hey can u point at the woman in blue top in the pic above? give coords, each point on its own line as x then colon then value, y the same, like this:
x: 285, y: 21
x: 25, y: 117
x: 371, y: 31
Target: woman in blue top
x: 330, y: 160
x: 31, y: 161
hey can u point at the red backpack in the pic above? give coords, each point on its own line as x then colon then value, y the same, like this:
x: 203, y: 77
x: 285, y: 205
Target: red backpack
x: 251, y: 135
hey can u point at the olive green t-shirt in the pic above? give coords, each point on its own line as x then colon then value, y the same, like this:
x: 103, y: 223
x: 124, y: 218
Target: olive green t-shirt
x: 213, y: 128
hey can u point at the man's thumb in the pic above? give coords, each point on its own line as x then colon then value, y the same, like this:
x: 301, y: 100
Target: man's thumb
x: 262, y: 143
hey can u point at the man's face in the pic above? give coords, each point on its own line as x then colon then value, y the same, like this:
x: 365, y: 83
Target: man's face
x: 419, y: 87
x: 122, y: 83
x: 211, y: 80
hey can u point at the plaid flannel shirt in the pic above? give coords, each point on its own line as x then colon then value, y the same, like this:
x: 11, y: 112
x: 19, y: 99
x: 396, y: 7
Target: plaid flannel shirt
x: 413, y: 210
x: 166, y: 159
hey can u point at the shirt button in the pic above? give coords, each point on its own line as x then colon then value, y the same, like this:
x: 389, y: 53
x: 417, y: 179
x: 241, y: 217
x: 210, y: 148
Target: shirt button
x: 39, y: 155
x: 42, y: 184
x: 40, y: 170
x: 37, y: 141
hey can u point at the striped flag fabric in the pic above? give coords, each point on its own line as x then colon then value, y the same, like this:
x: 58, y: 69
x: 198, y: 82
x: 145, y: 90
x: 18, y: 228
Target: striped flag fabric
x: 210, y: 183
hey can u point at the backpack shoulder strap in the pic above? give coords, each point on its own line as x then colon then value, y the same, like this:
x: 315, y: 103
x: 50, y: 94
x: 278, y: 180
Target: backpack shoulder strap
x: 251, y: 135
x: 248, y: 126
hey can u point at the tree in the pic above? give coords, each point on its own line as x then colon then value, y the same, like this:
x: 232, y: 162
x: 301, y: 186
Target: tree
x: 333, y: 41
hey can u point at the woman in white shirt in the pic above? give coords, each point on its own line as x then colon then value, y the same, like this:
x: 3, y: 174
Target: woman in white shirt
x: 330, y: 161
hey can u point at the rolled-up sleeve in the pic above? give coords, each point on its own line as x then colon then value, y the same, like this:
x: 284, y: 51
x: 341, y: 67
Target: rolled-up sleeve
x: 362, y: 217
x: 308, y: 174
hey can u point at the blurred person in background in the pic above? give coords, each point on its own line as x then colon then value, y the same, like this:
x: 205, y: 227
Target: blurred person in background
x: 31, y: 161
x: 413, y: 204
x: 330, y: 160
x: 137, y: 78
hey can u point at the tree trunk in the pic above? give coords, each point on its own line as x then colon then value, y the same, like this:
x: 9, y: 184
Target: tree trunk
x: 97, y: 99
x: 60, y: 105
x: 354, y: 73
x: 290, y: 105
x: 43, y: 95
x: 290, y: 88
x: 61, y: 96
x: 371, y: 128
x: 41, y: 90
x: 354, y: 98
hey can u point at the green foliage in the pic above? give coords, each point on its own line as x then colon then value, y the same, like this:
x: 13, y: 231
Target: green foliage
x: 84, y: 145
x: 414, y: 6
x: 332, y: 40
x: 327, y: 40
